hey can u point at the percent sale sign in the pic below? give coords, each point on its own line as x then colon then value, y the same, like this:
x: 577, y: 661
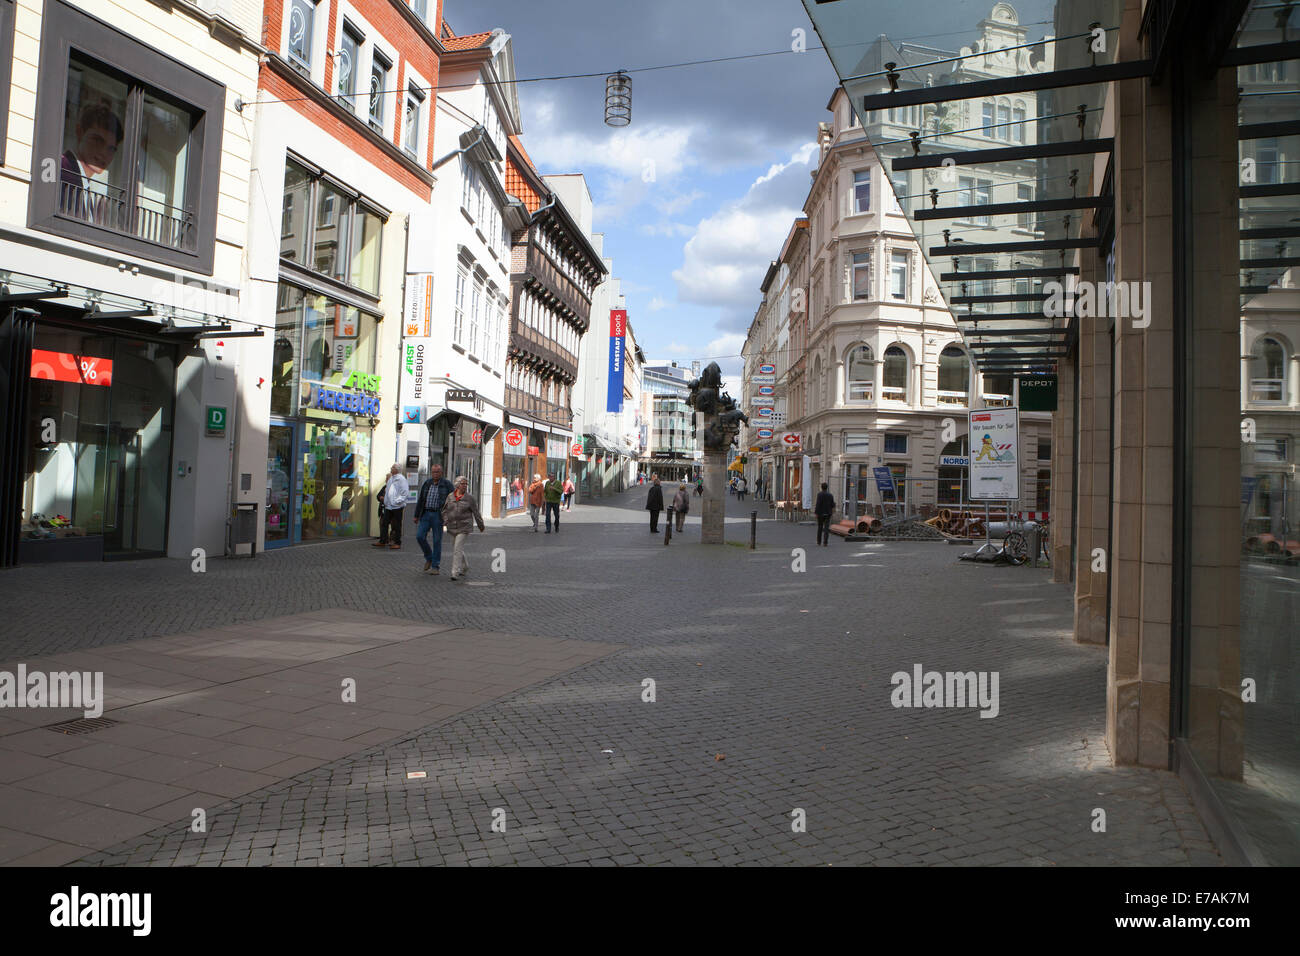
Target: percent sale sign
x: 66, y: 367
x: 995, y: 454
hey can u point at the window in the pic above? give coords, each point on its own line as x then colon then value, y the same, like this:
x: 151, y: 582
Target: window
x: 302, y: 22
x: 411, y: 124
x: 974, y: 192
x: 346, y: 63
x: 954, y: 376
x: 1267, y: 371
x: 899, y: 194
x: 857, y: 443
x: 475, y: 314
x: 458, y: 317
x: 862, y: 191
x: 1018, y: 127
x: 1025, y: 193
x: 421, y: 7
x: 895, y: 443
x: 988, y: 119
x: 1044, y: 449
x: 898, y: 274
x: 1266, y: 161
x: 139, y: 153
x: 365, y: 233
x: 1004, y: 122
x: 860, y: 373
x: 467, y: 176
x: 1043, y: 491
x: 1270, y: 451
x: 6, y: 64
x: 327, y: 230
x: 861, y: 275
x: 895, y: 375
x: 379, y: 67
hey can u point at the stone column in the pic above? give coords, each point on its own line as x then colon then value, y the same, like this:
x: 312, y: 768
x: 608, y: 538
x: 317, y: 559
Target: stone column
x: 713, y: 509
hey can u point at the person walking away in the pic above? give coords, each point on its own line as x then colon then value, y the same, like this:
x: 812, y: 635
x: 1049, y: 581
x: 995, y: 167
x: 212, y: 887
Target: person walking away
x: 568, y: 494
x: 428, y: 516
x: 742, y: 486
x: 681, y: 505
x: 553, y: 491
x: 395, y: 495
x: 699, y: 485
x: 536, y: 496
x: 823, y: 509
x: 654, y: 503
x: 460, y: 514
x: 758, y: 488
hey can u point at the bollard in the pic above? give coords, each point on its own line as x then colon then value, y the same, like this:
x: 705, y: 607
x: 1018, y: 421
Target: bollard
x: 753, y: 530
x: 668, y: 531
x: 1035, y: 545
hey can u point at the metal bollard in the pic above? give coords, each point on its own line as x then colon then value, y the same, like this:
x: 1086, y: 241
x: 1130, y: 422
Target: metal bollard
x: 668, y: 531
x: 1035, y: 545
x: 753, y: 530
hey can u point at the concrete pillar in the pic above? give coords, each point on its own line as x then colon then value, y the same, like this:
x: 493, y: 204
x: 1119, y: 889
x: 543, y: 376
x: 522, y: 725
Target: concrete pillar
x: 713, y: 508
x: 839, y: 385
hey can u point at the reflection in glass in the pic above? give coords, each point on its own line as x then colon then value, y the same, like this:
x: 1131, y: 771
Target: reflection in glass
x: 93, y: 184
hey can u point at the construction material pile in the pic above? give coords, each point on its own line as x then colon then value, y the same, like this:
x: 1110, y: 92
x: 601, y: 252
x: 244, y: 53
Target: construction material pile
x: 1272, y: 547
x: 908, y: 529
x: 964, y: 524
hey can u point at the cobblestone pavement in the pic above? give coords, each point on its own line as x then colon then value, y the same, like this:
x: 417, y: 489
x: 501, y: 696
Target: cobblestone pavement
x: 772, y: 696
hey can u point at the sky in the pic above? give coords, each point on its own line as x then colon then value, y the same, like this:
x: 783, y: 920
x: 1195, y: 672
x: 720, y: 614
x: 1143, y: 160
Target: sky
x: 695, y: 196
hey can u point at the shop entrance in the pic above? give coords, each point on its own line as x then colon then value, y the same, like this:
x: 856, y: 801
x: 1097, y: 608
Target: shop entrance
x: 283, y: 486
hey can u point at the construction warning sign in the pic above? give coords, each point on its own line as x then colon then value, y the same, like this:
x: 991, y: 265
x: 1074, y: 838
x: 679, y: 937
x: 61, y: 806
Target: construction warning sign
x: 995, y: 454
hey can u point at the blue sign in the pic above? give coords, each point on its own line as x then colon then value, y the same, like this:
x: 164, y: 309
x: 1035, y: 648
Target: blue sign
x: 885, y: 483
x: 617, y: 333
x: 336, y: 400
x: 411, y: 414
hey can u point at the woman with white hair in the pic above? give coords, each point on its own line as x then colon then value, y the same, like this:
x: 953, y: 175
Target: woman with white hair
x: 460, y: 514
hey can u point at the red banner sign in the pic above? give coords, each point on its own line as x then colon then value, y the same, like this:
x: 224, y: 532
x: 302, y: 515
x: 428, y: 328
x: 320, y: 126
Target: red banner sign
x: 66, y: 367
x: 514, y: 437
x: 534, y: 450
x: 576, y: 450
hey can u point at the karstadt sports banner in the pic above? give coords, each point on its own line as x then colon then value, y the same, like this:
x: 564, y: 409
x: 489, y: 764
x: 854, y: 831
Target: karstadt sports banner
x: 617, y: 334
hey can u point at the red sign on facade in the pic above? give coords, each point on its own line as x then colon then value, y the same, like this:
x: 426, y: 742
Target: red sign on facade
x: 66, y: 367
x: 576, y: 450
x: 534, y: 450
x: 477, y: 436
x: 514, y: 437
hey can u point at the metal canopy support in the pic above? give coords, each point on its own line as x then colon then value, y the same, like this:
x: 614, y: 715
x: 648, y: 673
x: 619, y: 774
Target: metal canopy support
x: 98, y: 316
x: 1265, y: 130
x: 1269, y: 189
x: 1029, y: 245
x: 1262, y: 53
x: 1271, y: 232
x: 1027, y: 83
x: 1005, y: 154
x: 223, y: 334
x: 14, y: 298
x: 1009, y: 274
x: 1282, y: 262
x: 1022, y: 331
x: 1008, y: 297
x: 1009, y: 208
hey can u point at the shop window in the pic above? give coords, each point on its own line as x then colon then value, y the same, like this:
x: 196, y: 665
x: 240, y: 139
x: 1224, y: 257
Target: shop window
x: 139, y: 152
x: 951, y: 484
x: 860, y: 373
x: 895, y: 443
x: 1270, y: 451
x: 954, y: 376
x: 1044, y: 449
x: 379, y: 69
x: 900, y: 480
x: 1043, y: 492
x: 319, y: 341
x: 336, y: 499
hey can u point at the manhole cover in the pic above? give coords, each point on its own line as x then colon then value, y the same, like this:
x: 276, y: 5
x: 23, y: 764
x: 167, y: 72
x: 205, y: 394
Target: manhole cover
x: 83, y: 725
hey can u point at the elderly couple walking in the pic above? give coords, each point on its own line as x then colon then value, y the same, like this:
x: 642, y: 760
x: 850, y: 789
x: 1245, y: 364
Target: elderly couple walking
x: 655, y: 503
x: 442, y: 503
x: 549, y: 494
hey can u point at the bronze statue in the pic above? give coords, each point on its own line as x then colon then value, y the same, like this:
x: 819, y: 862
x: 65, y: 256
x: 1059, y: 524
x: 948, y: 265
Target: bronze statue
x: 721, y: 416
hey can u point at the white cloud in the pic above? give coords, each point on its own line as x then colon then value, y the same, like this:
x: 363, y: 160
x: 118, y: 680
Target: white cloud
x: 677, y: 348
x: 667, y: 229
x: 646, y: 153
x: 656, y: 304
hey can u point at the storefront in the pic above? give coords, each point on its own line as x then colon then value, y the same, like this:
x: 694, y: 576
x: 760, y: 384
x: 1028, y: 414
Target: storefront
x: 98, y: 426
x: 325, y: 403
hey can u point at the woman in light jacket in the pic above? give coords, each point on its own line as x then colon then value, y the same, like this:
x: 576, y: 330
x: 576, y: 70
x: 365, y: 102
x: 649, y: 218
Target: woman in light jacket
x: 681, y: 505
x: 460, y: 514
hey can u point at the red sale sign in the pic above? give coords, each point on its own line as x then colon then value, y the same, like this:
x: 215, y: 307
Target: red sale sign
x: 66, y: 367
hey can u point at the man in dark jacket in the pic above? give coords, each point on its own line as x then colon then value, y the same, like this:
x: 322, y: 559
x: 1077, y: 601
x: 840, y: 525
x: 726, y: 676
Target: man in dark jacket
x: 654, y: 503
x: 428, y: 515
x: 823, y: 509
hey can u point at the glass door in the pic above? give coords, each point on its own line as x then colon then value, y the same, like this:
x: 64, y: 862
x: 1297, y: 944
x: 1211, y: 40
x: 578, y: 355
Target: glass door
x: 282, y: 509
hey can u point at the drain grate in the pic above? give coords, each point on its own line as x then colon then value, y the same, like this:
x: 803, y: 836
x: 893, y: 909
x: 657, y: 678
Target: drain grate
x: 82, y: 725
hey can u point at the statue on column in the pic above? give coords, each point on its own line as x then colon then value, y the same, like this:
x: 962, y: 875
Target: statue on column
x: 722, y: 418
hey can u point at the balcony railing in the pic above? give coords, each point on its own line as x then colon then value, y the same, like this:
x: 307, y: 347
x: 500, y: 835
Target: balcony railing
x: 952, y: 398
x: 1266, y: 389
x: 559, y: 285
x: 100, y: 204
x: 892, y: 394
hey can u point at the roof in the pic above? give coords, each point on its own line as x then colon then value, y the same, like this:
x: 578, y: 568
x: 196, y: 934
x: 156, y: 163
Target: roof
x: 472, y: 42
x: 519, y: 170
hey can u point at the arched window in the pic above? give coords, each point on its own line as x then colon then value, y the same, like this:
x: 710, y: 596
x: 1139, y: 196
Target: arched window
x: 1267, y: 371
x: 895, y: 384
x: 818, y: 398
x: 954, y: 376
x: 859, y: 372
x: 998, y: 386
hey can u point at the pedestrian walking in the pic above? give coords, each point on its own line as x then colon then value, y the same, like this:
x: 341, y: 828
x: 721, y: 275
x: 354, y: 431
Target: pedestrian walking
x: 428, y: 516
x: 758, y: 488
x: 681, y: 505
x: 394, y: 510
x: 460, y: 514
x: 699, y: 485
x: 536, y: 497
x: 823, y: 509
x: 654, y: 503
x: 568, y: 494
x: 741, y: 487
x: 553, y: 492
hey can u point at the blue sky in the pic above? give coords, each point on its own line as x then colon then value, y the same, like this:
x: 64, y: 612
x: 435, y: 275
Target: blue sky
x: 696, y: 195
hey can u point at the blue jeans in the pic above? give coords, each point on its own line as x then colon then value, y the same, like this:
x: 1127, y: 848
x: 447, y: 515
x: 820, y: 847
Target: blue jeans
x: 552, y: 508
x: 430, y: 520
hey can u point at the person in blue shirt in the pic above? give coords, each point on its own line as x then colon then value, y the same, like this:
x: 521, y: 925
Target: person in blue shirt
x: 428, y: 515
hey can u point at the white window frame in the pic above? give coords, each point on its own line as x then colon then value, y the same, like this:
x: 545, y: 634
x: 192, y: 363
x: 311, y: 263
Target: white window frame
x: 858, y: 208
x: 458, y: 313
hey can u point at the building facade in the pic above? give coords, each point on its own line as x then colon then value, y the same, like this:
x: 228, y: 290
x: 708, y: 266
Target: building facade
x: 672, y: 451
x: 124, y: 192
